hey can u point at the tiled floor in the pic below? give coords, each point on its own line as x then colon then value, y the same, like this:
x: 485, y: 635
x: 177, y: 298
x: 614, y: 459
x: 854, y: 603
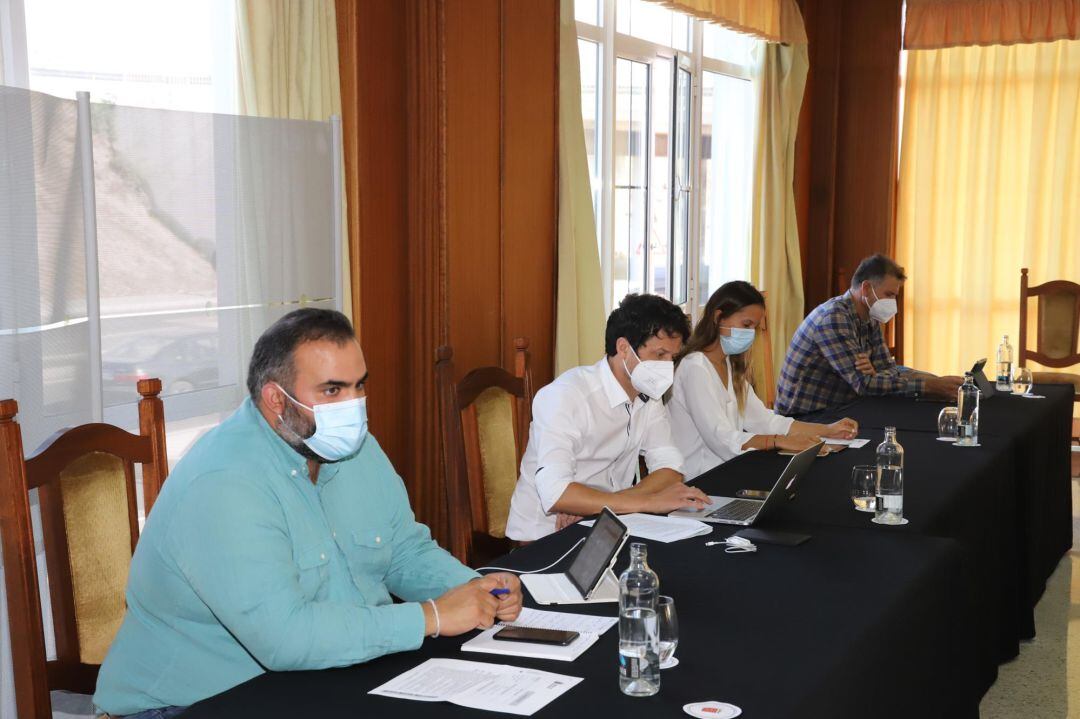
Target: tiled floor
x: 1044, y: 681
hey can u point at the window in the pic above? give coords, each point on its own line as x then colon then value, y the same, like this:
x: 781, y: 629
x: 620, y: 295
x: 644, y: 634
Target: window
x: 143, y: 53
x: 189, y: 272
x: 668, y: 109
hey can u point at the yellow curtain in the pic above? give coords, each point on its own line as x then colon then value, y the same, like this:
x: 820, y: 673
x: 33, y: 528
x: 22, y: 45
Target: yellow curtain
x: 288, y: 68
x: 935, y: 24
x: 989, y: 176
x: 579, y: 314
x: 773, y: 20
x: 775, y: 262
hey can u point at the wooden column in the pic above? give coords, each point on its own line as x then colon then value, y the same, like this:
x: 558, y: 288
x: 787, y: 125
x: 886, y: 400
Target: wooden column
x: 849, y: 181
x: 427, y: 322
x: 450, y: 129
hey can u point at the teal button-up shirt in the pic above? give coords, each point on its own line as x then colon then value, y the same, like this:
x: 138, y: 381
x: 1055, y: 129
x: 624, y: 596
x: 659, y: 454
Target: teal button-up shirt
x: 245, y: 566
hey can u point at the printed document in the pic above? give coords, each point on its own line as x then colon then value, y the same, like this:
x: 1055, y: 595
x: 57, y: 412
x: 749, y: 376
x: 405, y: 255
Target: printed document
x: 478, y: 685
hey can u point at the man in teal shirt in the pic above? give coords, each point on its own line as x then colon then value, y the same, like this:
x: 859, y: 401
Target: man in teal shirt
x: 279, y: 538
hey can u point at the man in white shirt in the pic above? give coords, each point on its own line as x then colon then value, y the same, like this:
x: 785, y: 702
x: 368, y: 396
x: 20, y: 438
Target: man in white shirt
x: 592, y: 423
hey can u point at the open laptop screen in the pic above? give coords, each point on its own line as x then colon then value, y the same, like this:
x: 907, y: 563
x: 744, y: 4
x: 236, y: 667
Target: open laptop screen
x: 604, y: 540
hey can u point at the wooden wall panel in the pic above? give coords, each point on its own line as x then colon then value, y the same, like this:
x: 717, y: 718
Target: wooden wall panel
x: 450, y: 123
x: 849, y: 181
x: 473, y: 147
x: 866, y: 131
x: 530, y: 181
x: 372, y: 35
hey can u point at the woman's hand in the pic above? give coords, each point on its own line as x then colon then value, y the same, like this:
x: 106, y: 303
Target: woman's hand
x: 844, y: 429
x: 795, y: 442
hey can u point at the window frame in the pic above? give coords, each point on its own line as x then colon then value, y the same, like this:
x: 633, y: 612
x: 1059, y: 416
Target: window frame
x: 614, y: 45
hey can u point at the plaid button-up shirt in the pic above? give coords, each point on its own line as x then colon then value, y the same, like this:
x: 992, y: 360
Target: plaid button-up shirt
x: 819, y: 370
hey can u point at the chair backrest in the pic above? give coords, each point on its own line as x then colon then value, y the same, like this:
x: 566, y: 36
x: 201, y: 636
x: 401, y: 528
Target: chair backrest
x: 485, y: 426
x: 86, y: 489
x: 1057, y: 324
x: 763, y: 376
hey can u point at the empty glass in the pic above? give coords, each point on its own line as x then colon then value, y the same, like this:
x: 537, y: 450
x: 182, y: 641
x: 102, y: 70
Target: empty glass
x: 669, y: 631
x: 1021, y: 380
x: 864, y: 487
x: 948, y: 421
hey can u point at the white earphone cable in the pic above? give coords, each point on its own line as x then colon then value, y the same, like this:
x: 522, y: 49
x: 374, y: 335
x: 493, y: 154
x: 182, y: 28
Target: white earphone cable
x: 534, y: 571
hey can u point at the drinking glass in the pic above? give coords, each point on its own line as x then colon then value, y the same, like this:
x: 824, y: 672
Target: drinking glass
x: 864, y: 487
x: 1021, y: 380
x: 669, y: 630
x: 948, y: 421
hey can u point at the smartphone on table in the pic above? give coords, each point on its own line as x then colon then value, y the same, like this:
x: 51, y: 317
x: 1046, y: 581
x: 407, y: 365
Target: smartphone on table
x: 557, y: 637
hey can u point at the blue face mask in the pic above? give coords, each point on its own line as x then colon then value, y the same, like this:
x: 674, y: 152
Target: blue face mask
x: 340, y: 427
x: 741, y: 339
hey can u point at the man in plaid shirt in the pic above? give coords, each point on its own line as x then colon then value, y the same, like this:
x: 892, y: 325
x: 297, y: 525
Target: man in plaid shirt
x: 839, y: 353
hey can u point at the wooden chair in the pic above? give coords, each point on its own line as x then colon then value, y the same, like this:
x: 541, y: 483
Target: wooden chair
x: 86, y: 487
x: 485, y: 426
x: 1057, y: 330
x: 763, y: 376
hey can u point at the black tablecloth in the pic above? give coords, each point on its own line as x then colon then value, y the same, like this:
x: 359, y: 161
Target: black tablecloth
x: 1008, y: 502
x: 853, y: 623
x: 860, y: 621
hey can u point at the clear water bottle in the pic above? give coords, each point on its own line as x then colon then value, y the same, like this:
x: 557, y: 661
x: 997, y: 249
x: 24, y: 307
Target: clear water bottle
x: 967, y: 405
x: 1004, y: 365
x: 890, y: 480
x: 639, y: 627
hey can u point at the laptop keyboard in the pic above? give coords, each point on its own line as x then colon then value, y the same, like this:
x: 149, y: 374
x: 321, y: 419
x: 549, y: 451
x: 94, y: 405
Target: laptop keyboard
x: 737, y: 510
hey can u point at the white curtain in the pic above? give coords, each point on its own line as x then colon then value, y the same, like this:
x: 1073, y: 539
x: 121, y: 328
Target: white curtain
x: 197, y: 254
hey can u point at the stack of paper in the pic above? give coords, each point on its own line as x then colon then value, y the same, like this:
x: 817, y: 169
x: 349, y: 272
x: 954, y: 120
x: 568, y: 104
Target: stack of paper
x: 589, y: 629
x: 659, y: 528
x: 477, y: 685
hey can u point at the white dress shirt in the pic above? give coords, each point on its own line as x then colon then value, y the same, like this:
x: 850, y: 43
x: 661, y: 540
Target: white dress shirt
x: 586, y: 430
x: 705, y: 418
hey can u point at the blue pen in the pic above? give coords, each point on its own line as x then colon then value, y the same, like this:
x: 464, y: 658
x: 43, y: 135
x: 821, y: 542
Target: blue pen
x: 500, y: 592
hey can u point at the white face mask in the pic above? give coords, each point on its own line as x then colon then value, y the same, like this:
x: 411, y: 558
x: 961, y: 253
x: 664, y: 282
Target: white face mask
x: 651, y: 377
x: 882, y: 310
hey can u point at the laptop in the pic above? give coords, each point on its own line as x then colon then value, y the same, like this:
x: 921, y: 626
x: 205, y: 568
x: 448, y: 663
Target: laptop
x: 589, y: 578
x: 984, y: 384
x: 744, y: 512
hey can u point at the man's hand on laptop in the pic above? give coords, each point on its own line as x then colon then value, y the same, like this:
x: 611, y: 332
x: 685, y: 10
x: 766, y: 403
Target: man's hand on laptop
x: 674, y: 496
x: 942, y: 387
x: 467, y: 606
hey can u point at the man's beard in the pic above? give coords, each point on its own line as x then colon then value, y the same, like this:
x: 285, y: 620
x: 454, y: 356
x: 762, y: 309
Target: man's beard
x: 294, y: 428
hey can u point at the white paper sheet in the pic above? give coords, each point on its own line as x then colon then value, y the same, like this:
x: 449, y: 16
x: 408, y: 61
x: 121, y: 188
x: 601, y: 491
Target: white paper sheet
x: 565, y: 621
x: 853, y: 443
x: 660, y: 528
x: 478, y: 685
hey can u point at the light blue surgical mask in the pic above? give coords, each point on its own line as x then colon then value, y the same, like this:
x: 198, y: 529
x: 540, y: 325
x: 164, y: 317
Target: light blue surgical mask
x: 340, y: 427
x: 741, y: 339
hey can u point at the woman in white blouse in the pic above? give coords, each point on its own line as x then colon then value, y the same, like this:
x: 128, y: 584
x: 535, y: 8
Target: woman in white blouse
x: 715, y: 414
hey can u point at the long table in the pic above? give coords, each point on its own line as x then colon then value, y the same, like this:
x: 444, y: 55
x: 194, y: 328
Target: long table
x: 862, y: 620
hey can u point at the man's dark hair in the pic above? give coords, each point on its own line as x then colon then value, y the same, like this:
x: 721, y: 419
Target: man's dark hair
x: 875, y: 268
x: 640, y: 317
x: 272, y: 359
